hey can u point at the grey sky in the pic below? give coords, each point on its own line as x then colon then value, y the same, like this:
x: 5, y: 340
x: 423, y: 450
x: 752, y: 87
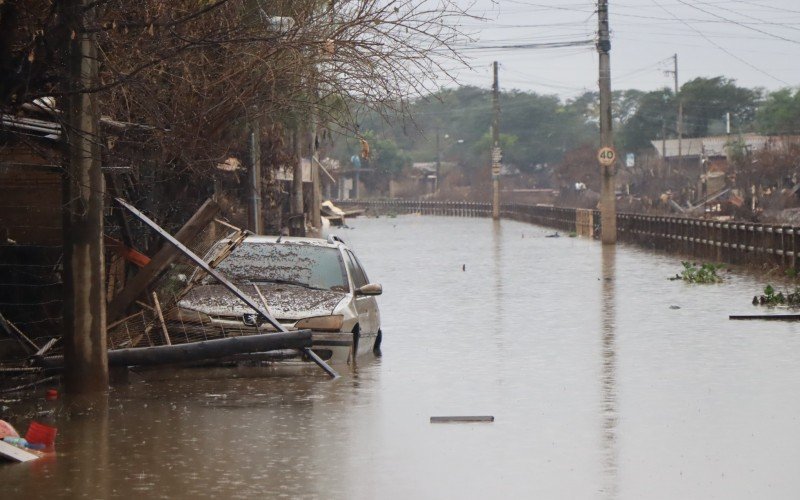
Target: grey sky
x: 756, y: 42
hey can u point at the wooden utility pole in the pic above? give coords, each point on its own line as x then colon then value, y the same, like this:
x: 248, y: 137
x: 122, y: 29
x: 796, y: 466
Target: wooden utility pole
x: 608, y: 209
x: 254, y: 212
x: 85, y: 355
x: 496, y: 151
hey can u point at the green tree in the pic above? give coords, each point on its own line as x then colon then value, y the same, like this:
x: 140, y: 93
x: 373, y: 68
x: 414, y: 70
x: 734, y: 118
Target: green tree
x: 706, y: 101
x: 654, y: 111
x: 780, y: 113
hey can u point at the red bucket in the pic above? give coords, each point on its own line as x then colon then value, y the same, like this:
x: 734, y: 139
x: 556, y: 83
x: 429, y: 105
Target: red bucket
x: 41, y: 434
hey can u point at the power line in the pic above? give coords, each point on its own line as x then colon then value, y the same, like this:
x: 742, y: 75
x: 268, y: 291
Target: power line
x: 715, y: 44
x: 781, y: 9
x: 732, y: 21
x: 535, y: 45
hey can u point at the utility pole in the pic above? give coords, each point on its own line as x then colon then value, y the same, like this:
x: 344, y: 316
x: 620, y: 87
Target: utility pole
x: 680, y: 114
x: 496, y: 151
x: 297, y: 227
x: 254, y: 213
x: 85, y: 354
x: 316, y: 186
x: 438, y: 159
x: 608, y: 209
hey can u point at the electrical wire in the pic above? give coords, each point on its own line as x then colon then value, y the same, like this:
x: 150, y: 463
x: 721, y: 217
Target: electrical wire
x: 739, y: 24
x: 715, y: 44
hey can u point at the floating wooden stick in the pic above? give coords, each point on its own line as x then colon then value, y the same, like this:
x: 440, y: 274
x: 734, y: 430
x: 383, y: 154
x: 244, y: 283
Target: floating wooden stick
x: 767, y: 317
x: 462, y: 418
x: 161, y: 319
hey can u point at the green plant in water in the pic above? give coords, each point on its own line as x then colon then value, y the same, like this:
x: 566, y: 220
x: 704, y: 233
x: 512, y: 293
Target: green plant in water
x: 706, y: 273
x: 772, y: 297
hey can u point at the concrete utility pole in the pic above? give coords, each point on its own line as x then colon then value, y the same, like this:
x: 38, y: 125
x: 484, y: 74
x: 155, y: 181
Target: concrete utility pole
x: 254, y: 212
x: 679, y: 126
x: 85, y: 356
x: 438, y: 159
x: 680, y: 115
x: 496, y: 151
x: 316, y: 182
x: 297, y: 180
x: 608, y: 209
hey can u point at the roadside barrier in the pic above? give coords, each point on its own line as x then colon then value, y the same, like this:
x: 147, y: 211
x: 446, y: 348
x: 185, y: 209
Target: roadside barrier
x: 733, y: 242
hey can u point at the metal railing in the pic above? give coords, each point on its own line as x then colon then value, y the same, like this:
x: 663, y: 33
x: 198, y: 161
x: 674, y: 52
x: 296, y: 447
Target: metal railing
x: 732, y: 242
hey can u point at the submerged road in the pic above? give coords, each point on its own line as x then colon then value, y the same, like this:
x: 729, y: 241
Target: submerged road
x: 606, y: 380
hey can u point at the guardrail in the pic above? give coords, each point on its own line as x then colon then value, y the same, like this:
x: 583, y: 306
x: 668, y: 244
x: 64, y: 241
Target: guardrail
x: 732, y: 242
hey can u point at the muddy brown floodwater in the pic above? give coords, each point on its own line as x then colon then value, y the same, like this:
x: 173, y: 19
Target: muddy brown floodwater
x: 605, y: 379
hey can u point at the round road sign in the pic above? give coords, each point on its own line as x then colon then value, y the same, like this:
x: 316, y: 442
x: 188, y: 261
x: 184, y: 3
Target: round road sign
x: 606, y: 156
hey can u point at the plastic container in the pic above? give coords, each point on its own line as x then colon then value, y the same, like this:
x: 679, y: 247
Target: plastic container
x: 41, y: 434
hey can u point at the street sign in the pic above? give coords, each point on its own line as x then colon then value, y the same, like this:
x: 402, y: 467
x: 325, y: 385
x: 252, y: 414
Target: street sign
x: 606, y: 156
x: 497, y: 157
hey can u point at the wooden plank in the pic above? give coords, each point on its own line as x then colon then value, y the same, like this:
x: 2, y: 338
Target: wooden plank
x: 137, y: 285
x: 462, y: 418
x: 160, y: 315
x: 49, y: 345
x: 127, y: 318
x: 766, y: 317
x: 16, y: 454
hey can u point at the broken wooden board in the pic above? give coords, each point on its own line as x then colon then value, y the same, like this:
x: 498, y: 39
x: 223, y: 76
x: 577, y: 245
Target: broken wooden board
x: 11, y: 452
x: 462, y: 418
x: 766, y: 317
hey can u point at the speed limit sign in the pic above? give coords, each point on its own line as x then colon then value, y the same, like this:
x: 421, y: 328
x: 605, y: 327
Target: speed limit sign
x: 606, y: 156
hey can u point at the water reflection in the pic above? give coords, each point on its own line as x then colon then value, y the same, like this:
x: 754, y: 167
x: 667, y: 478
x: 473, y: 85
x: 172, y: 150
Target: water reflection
x: 497, y: 267
x: 609, y: 369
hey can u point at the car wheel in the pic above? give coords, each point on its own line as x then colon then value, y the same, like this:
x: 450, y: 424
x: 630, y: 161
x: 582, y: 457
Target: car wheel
x: 376, y: 349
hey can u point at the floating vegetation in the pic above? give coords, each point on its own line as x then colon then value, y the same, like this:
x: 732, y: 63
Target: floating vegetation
x: 772, y: 297
x: 706, y: 273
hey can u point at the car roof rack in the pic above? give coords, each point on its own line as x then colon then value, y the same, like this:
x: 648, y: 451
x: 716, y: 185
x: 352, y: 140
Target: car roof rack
x: 335, y: 239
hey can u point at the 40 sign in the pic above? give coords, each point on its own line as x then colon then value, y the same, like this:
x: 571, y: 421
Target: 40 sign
x: 606, y: 156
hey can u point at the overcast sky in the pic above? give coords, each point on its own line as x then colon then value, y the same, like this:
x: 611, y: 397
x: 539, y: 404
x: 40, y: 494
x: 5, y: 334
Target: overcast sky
x: 755, y: 42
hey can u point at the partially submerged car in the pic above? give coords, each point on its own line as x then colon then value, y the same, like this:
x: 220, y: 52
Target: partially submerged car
x: 305, y: 283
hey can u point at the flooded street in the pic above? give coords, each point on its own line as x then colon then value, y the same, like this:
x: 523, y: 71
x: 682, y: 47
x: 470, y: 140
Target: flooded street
x: 606, y: 380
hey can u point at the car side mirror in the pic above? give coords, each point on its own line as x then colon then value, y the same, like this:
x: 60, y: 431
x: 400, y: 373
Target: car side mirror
x: 370, y: 289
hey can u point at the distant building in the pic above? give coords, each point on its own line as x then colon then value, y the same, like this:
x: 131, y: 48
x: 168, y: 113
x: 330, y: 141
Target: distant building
x: 689, y: 153
x: 707, y: 159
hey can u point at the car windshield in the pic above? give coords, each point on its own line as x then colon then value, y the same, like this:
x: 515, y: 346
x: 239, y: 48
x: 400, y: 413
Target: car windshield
x: 298, y: 264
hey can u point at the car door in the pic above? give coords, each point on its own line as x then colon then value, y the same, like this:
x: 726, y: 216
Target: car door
x: 367, y: 306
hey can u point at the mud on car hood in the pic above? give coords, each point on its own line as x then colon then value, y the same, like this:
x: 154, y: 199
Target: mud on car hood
x: 284, y: 301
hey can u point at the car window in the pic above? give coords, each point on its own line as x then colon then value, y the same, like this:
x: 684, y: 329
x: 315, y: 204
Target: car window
x: 306, y: 265
x: 359, y: 266
x: 359, y: 278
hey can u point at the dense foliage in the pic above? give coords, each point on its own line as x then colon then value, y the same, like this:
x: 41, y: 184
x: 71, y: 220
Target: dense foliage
x: 704, y: 273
